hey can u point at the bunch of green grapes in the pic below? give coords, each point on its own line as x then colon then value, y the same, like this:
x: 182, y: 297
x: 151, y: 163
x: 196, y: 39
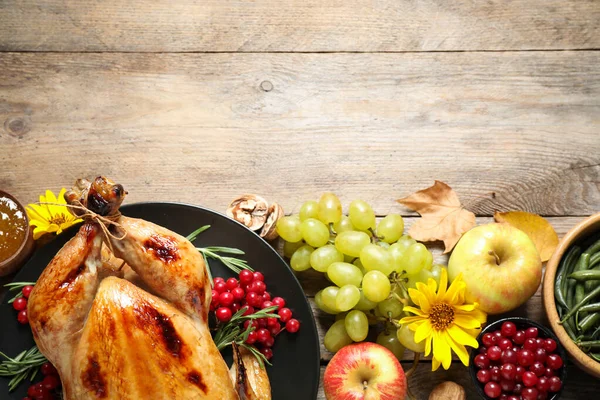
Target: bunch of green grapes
x: 370, y: 265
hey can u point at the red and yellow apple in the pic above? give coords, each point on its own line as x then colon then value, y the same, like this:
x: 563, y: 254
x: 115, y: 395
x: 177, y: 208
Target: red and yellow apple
x: 500, y: 265
x: 364, y: 371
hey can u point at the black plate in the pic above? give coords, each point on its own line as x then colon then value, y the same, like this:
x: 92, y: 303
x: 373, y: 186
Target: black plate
x: 295, y: 370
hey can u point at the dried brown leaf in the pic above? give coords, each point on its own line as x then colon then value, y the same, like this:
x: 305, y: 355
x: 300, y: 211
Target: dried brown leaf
x: 537, y: 228
x: 443, y: 217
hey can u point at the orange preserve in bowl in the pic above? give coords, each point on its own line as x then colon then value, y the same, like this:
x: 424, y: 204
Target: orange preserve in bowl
x: 15, y: 239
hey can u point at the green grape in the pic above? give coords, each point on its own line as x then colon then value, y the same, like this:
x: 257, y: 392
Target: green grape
x: 328, y: 297
x: 421, y: 276
x: 309, y: 209
x: 406, y: 241
x: 376, y: 286
x: 336, y: 337
x: 347, y: 297
x: 343, y: 225
x: 407, y: 339
x: 351, y: 242
x: 390, y: 341
x: 436, y: 272
x: 330, y: 208
x: 390, y: 228
x: 428, y: 261
x: 377, y: 258
x: 397, y: 251
x: 390, y: 308
x: 361, y: 215
x: 300, y: 260
x: 314, y: 232
x: 360, y: 266
x: 289, y: 228
x: 364, y: 304
x: 321, y: 305
x: 290, y: 247
x: 324, y: 256
x: 384, y: 245
x: 342, y: 273
x: 415, y: 258
x: 357, y: 325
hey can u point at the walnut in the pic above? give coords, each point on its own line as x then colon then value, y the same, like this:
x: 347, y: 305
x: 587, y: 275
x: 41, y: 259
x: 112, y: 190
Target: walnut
x: 269, y: 231
x: 250, y: 210
x: 448, y: 391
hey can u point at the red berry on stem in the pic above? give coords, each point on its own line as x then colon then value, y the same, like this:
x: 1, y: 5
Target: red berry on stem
x: 223, y: 314
x: 555, y: 384
x: 292, y: 326
x: 519, y: 337
x: 251, y: 337
x: 266, y: 296
x: 26, y: 291
x: 531, y: 332
x: 22, y: 317
x: 554, y: 361
x: 275, y: 329
x: 550, y: 345
x: 492, y: 389
x: 272, y: 321
x: 508, y: 329
x: 267, y: 352
x: 218, y: 279
x: 231, y: 283
x: 226, y: 299
x: 258, y: 276
x: 484, y: 375
x: 249, y: 310
x: 278, y: 301
x: 246, y: 276
x: 262, y: 335
x: 51, y: 382
x: 253, y: 299
x: 20, y: 304
x: 270, y: 341
x: 285, y: 314
x: 48, y: 369
x: 259, y: 287
x: 220, y: 287
x: 238, y: 293
x: 266, y: 304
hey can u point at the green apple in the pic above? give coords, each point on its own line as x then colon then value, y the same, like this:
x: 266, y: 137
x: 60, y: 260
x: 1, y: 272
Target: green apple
x: 500, y: 265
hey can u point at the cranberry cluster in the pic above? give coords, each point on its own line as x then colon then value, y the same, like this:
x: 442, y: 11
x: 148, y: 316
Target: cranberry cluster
x: 47, y: 389
x: 20, y: 304
x: 517, y: 364
x: 250, y: 291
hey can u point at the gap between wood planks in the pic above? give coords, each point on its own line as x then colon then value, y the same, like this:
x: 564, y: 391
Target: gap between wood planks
x: 301, y: 52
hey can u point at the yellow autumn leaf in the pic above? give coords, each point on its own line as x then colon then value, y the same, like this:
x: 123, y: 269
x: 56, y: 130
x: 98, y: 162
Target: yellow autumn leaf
x: 537, y: 228
x: 442, y: 216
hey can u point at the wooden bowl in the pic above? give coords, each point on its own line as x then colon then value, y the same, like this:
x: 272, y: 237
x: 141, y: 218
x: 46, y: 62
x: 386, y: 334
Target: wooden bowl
x: 16, y: 261
x: 580, y: 231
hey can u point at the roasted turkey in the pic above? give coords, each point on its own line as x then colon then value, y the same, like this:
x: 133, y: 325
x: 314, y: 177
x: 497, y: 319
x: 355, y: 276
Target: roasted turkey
x: 110, y: 338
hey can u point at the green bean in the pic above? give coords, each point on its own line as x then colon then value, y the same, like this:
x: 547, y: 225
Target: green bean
x: 581, y: 265
x: 585, y: 275
x: 583, y: 302
x: 569, y: 329
x: 594, y: 259
x: 592, y: 283
x: 589, y: 321
x: 593, y: 248
x: 590, y: 307
x: 595, y: 334
x: 590, y: 344
x: 579, y: 294
x: 565, y: 266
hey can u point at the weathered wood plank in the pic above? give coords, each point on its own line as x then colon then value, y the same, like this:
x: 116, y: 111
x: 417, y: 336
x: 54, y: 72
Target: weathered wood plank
x: 578, y: 384
x: 308, y: 26
x: 506, y: 130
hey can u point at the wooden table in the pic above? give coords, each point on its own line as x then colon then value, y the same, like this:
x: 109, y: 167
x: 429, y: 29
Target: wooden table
x: 202, y: 101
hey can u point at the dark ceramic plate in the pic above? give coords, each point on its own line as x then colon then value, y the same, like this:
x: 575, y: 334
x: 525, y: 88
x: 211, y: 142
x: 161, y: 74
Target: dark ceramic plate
x: 295, y: 370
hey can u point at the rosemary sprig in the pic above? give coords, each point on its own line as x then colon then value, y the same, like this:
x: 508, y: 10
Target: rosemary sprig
x: 17, y: 286
x: 233, y: 332
x: 212, y: 252
x: 23, y: 366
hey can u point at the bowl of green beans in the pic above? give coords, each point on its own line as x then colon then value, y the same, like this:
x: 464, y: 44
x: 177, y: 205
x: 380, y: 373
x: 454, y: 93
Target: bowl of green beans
x: 571, y: 293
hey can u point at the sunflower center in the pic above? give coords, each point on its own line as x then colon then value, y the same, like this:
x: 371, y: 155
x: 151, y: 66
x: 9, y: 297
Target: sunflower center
x: 58, y: 219
x: 441, y: 316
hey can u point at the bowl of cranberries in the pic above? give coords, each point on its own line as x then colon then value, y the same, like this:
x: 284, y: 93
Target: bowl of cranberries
x: 518, y: 359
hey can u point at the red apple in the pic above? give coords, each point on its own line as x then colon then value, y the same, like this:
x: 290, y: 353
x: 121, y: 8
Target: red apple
x: 364, y: 371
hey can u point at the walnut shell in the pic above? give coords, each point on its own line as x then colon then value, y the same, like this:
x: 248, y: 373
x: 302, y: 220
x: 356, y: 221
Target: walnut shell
x: 269, y: 231
x: 250, y: 210
x: 448, y: 391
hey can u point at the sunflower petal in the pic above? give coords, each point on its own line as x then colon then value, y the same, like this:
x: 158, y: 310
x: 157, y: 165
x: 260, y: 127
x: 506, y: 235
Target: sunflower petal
x: 411, y: 320
x: 422, y: 301
x: 443, y: 284
x: 441, y: 349
x: 466, y: 321
x: 460, y: 350
x: 40, y: 211
x: 435, y: 364
x: 462, y: 337
x: 38, y: 232
x: 428, y: 342
x: 424, y: 331
x: 61, y: 196
x: 466, y: 307
x: 455, y: 288
x: 414, y: 310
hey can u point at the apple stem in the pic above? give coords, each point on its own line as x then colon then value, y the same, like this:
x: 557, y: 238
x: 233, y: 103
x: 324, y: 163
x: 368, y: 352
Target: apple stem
x: 493, y: 253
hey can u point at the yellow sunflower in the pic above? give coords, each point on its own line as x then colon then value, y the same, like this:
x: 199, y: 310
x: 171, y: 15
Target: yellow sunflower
x: 52, y: 217
x: 443, y: 320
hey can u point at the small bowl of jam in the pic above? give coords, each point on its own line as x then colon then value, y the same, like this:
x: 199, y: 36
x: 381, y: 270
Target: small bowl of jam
x: 16, y: 240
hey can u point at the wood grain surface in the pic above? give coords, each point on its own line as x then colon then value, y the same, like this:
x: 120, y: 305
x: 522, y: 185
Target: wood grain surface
x: 505, y: 130
x: 297, y: 25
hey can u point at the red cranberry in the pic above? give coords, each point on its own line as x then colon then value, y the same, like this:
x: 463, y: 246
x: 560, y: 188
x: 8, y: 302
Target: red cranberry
x: 508, y: 329
x: 492, y: 389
